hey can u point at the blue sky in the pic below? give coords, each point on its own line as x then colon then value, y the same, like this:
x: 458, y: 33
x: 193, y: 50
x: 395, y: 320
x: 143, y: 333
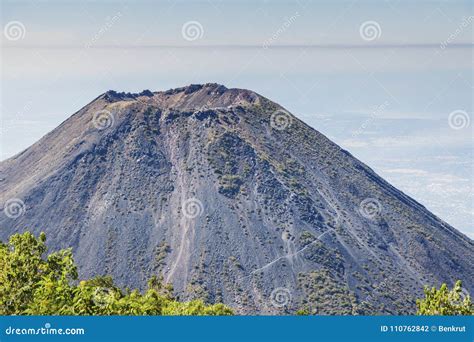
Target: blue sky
x: 385, y: 93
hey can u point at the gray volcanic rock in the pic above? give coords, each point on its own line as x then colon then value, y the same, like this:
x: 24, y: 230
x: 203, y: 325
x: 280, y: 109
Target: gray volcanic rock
x: 231, y: 199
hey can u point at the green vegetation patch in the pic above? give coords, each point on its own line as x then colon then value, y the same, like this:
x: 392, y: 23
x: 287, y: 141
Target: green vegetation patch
x: 325, y: 295
x: 319, y: 253
x: 306, y: 238
x: 232, y: 160
x: 445, y: 301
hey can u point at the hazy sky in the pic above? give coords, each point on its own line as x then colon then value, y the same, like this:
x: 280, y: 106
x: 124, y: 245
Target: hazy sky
x: 391, y: 81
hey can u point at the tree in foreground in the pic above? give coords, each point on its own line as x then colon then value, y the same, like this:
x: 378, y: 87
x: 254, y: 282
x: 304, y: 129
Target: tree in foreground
x: 445, y: 302
x: 33, y: 285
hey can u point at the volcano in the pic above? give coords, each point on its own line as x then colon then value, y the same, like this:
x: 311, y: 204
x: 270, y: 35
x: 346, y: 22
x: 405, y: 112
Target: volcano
x: 230, y: 198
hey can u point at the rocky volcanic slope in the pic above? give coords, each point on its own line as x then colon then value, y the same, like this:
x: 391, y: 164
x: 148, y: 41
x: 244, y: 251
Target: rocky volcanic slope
x: 232, y: 200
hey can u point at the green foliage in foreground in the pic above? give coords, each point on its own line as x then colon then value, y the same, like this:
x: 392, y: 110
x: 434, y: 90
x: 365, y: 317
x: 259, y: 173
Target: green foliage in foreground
x: 32, y: 285
x: 445, y: 302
